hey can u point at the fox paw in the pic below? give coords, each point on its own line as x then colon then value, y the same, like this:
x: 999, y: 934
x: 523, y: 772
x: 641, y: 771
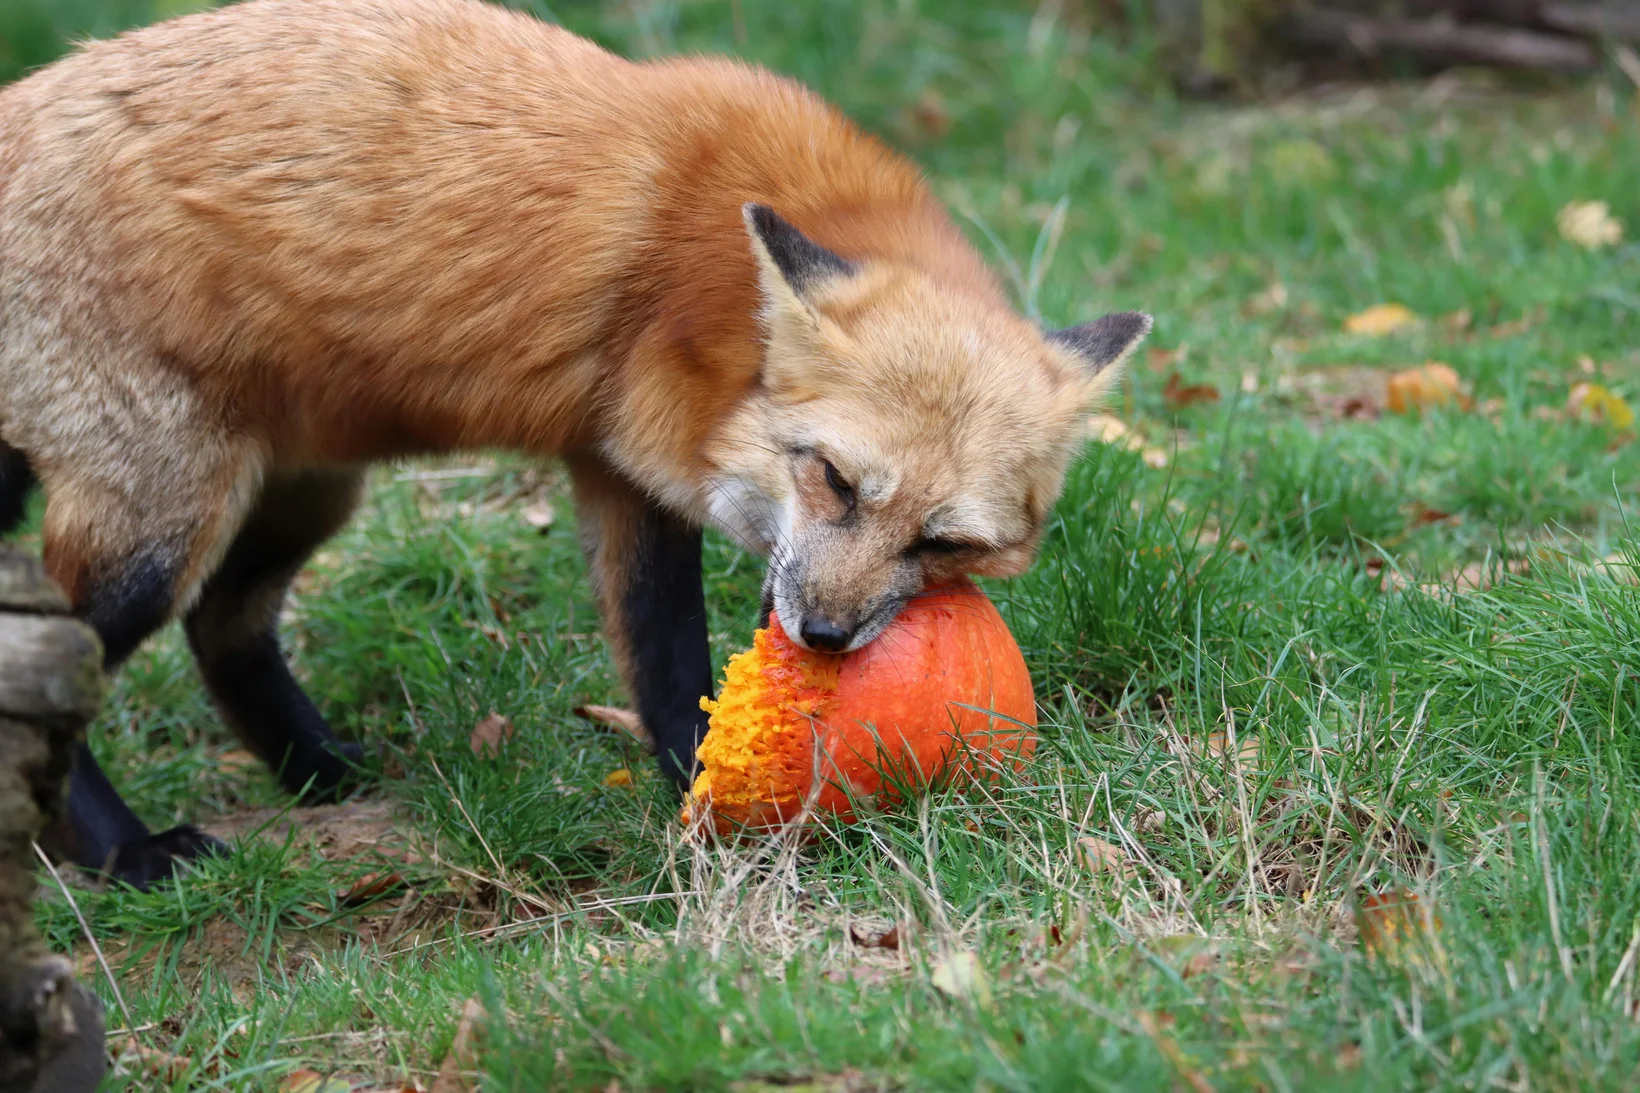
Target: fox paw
x: 155, y: 859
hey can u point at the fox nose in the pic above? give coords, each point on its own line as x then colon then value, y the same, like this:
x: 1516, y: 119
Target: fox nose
x: 820, y: 632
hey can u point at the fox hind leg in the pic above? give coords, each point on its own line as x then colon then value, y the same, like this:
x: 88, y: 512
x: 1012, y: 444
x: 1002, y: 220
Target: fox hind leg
x: 232, y: 631
x: 128, y: 539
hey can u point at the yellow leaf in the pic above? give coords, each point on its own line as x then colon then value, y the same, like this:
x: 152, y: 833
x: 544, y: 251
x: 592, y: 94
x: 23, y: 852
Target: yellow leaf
x: 1398, y: 927
x: 622, y: 777
x: 961, y: 975
x: 1429, y: 385
x: 1589, y: 224
x: 1598, y: 405
x: 1380, y: 320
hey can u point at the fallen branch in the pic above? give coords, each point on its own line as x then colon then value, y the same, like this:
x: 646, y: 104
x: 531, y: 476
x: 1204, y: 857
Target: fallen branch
x: 1438, y: 42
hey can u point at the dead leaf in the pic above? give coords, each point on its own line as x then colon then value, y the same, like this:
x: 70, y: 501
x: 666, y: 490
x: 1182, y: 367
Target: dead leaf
x: 1381, y: 320
x: 1356, y: 408
x: 236, y: 761
x: 622, y: 721
x: 152, y: 1062
x: 1160, y: 360
x: 1247, y: 748
x: 928, y: 116
x: 1398, y: 927
x: 489, y: 734
x: 456, y: 1075
x: 1271, y: 299
x: 1589, y: 224
x: 866, y: 938
x: 1457, y: 323
x: 371, y: 886
x: 1177, y: 396
x: 617, y: 778
x: 1103, y: 857
x: 961, y: 975
x: 1423, y: 515
x: 1155, y: 458
x: 1596, y: 404
x: 1429, y: 385
x: 309, y: 1081
x: 539, y: 514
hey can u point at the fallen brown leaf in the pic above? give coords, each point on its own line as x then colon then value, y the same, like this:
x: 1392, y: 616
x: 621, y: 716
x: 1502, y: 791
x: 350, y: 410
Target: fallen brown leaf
x: 1177, y: 395
x: 1160, y: 360
x: 461, y: 1064
x: 489, y: 734
x: 621, y: 721
x: 928, y: 116
x: 309, y: 1081
x: 235, y: 761
x: 1429, y: 385
x: 151, y: 1062
x: 1423, y: 515
x: 1103, y: 857
x: 370, y: 887
x: 1247, y: 748
x: 867, y: 938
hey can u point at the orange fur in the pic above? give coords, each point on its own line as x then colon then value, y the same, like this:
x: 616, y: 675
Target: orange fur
x: 306, y: 233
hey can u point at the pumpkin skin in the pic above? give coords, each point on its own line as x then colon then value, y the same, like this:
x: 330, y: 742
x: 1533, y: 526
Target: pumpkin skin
x: 788, y: 717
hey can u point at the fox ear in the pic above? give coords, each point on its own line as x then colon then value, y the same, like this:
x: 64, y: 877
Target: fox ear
x: 786, y: 255
x: 1105, y: 341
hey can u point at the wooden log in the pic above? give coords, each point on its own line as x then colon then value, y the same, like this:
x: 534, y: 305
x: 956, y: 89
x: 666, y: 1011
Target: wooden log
x: 1437, y: 42
x: 51, y: 1027
x: 1610, y: 22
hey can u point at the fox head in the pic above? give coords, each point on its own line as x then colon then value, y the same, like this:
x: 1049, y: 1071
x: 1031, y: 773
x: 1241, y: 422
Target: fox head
x: 903, y: 434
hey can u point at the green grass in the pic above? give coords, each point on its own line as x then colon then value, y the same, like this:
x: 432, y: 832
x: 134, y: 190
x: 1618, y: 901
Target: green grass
x: 1279, y: 580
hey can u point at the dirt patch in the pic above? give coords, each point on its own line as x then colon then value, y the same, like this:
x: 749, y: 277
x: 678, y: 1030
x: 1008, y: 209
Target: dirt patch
x: 338, y: 832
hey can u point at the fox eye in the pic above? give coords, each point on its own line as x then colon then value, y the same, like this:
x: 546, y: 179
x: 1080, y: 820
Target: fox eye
x: 937, y: 546
x: 837, y: 483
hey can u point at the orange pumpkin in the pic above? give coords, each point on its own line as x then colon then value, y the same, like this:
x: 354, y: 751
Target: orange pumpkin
x: 791, y: 723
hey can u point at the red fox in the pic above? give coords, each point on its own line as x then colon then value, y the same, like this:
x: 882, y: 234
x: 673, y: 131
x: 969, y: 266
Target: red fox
x: 246, y: 253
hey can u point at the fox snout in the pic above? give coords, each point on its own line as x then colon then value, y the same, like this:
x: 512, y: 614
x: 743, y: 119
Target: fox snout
x: 834, y: 607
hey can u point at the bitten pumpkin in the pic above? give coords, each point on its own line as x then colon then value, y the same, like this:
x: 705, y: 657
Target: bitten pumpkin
x: 944, y: 690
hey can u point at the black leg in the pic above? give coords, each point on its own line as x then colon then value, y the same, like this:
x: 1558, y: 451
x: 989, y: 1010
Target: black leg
x: 99, y: 831
x: 664, y: 611
x: 233, y: 633
x: 16, y: 481
x: 645, y: 565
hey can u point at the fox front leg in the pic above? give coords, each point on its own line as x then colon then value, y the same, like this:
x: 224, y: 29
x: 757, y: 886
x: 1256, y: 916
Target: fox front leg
x: 645, y: 565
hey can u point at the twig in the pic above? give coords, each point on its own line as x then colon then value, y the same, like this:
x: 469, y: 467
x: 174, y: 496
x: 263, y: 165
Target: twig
x: 85, y: 928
